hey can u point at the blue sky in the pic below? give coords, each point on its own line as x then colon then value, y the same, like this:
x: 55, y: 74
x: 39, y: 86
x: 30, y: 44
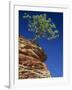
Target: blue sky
x: 53, y: 48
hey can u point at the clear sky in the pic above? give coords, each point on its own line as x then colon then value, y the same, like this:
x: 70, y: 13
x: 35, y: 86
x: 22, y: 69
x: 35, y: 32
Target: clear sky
x: 53, y: 48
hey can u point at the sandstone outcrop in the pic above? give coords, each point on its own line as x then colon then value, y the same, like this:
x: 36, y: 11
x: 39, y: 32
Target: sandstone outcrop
x: 31, y: 60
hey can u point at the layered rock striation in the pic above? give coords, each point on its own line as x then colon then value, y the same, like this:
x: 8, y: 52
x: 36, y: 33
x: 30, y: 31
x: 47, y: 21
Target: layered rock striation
x: 31, y: 60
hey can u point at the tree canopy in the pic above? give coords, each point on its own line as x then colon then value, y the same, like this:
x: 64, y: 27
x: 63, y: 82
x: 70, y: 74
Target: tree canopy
x: 41, y: 26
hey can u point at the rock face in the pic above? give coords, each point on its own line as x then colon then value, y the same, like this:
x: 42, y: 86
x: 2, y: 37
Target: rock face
x: 31, y: 60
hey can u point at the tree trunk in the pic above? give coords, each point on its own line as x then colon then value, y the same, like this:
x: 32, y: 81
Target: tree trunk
x: 34, y: 39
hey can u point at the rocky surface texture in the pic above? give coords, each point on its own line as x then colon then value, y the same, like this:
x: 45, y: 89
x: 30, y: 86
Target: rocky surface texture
x: 31, y: 60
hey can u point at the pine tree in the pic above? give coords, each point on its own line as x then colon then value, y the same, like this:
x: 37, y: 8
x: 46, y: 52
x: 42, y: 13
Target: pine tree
x: 41, y: 26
